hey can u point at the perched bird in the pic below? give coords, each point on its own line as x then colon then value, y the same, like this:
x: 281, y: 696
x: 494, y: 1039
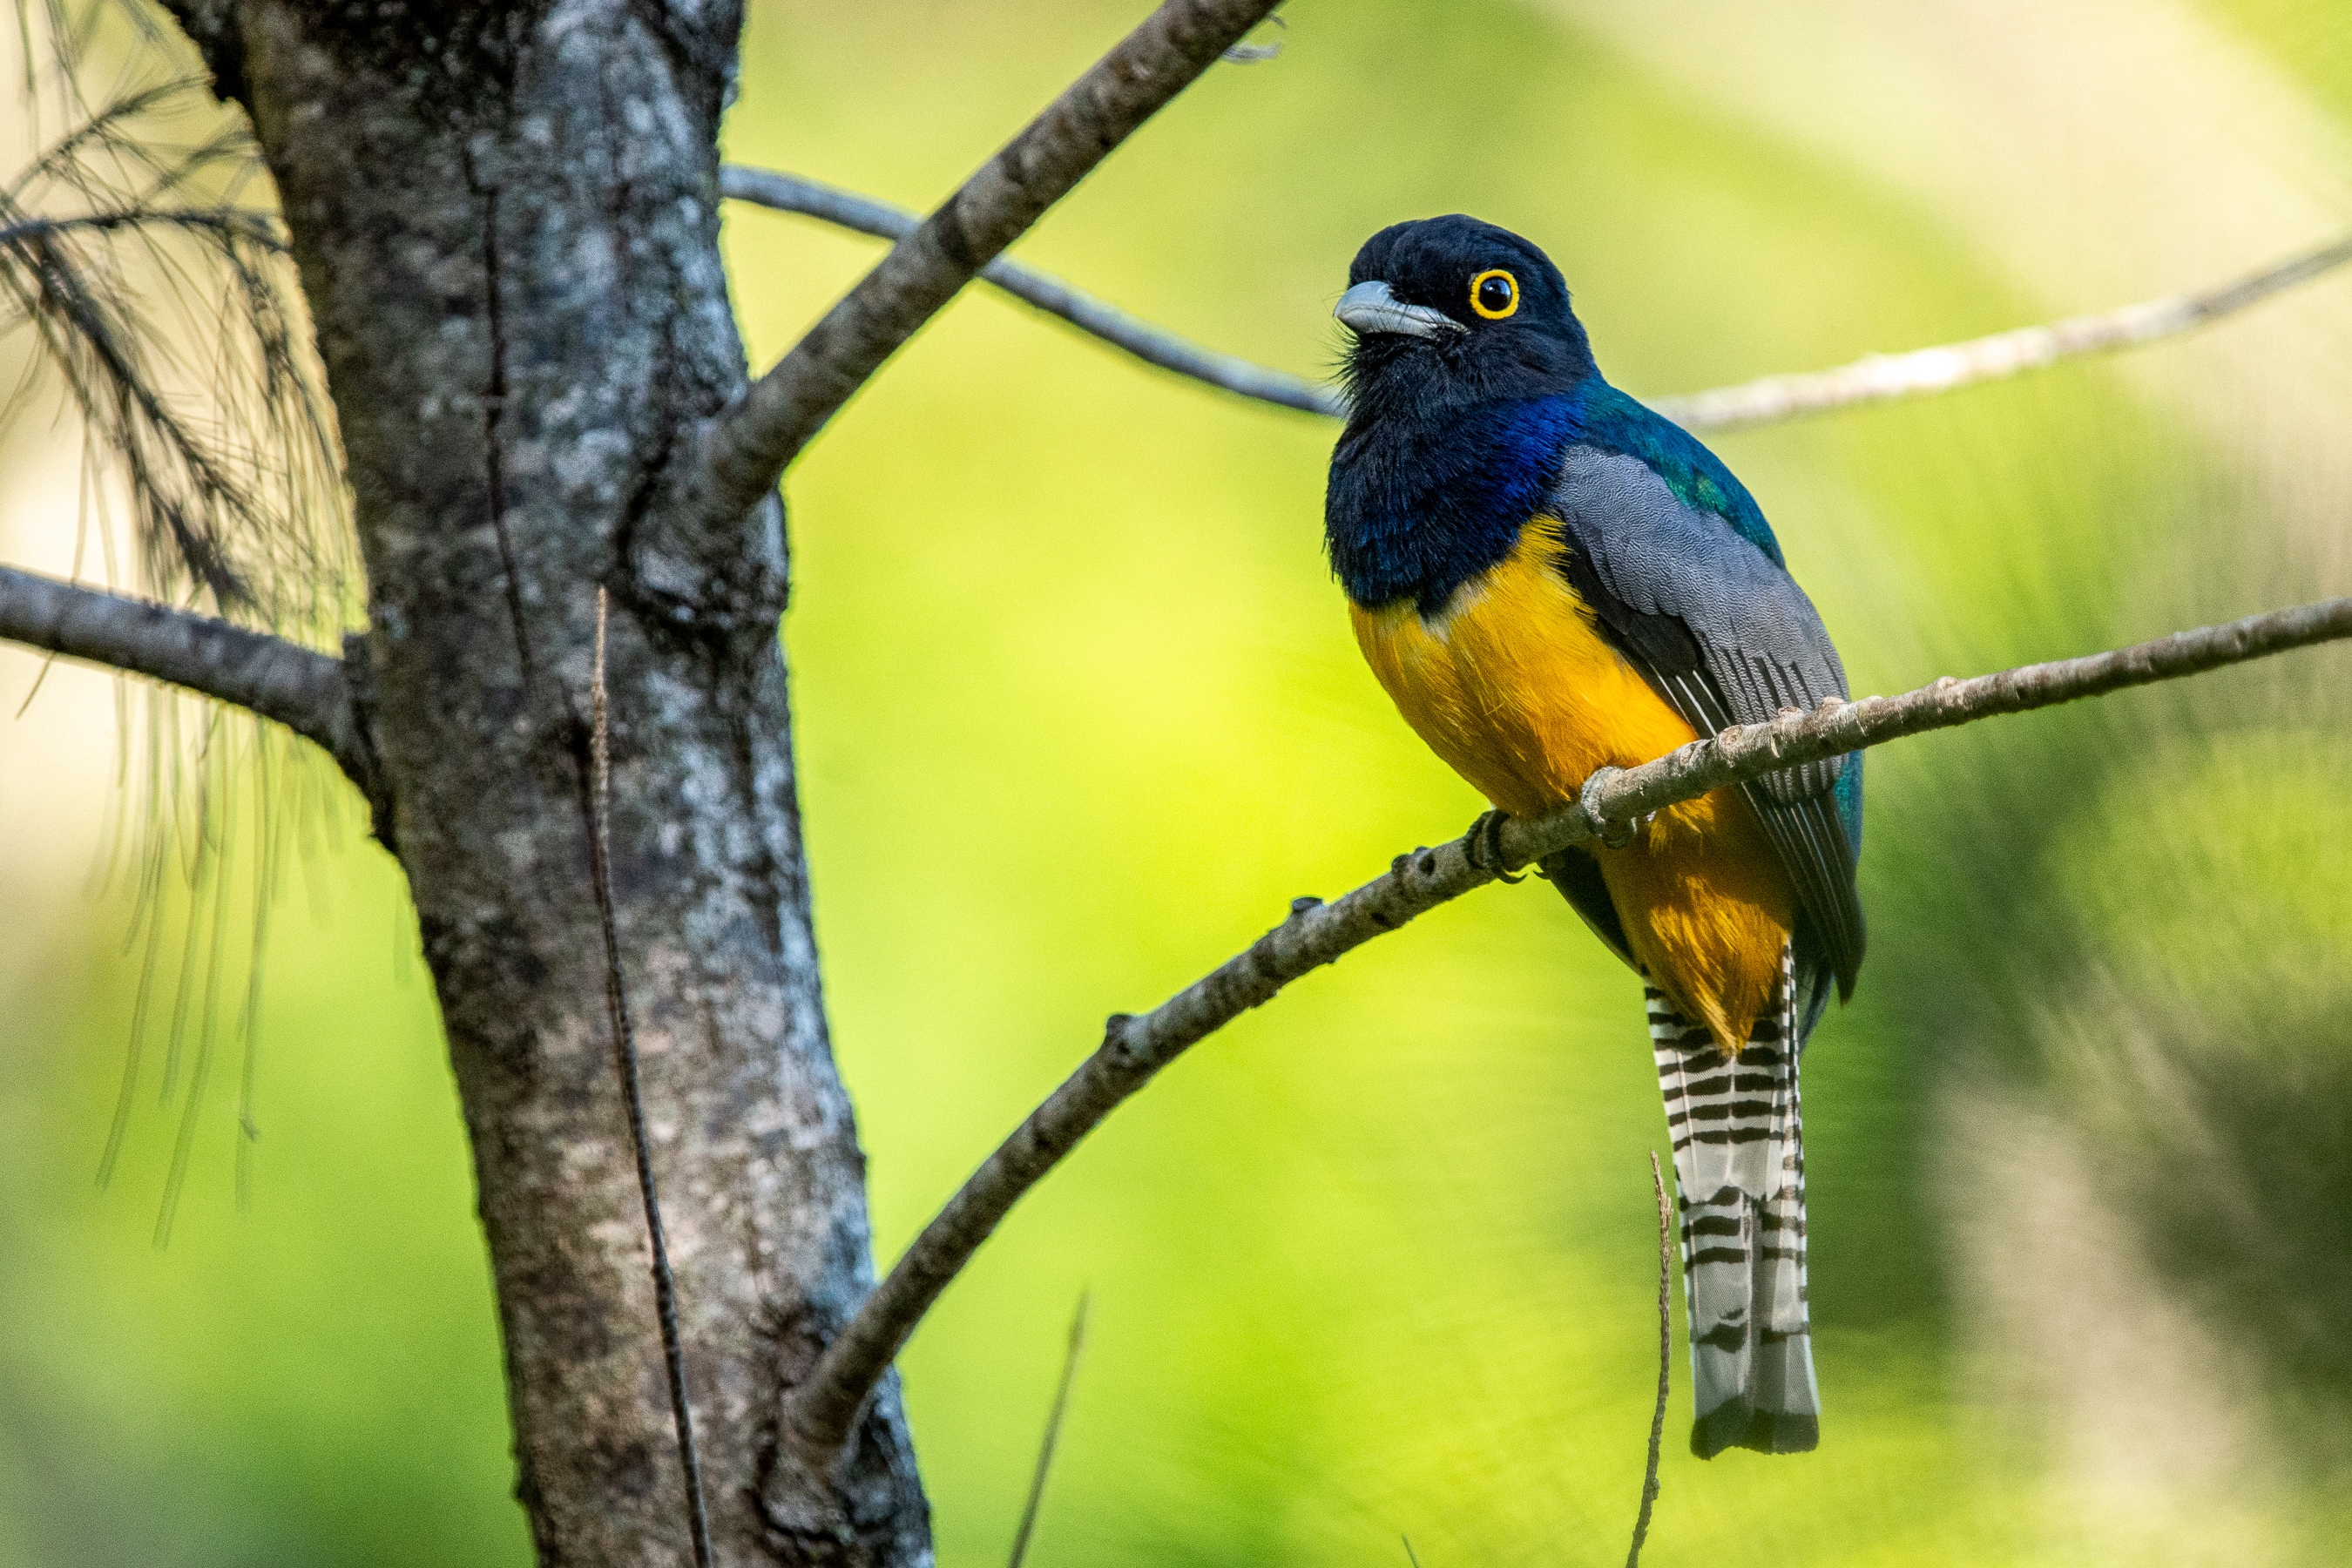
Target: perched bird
x: 1549, y: 578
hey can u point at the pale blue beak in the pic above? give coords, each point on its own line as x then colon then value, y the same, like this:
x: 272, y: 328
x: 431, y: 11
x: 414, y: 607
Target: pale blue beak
x: 1370, y: 307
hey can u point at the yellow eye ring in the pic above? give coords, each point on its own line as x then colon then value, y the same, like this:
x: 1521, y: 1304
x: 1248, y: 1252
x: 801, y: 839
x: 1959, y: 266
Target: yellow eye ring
x: 1483, y: 285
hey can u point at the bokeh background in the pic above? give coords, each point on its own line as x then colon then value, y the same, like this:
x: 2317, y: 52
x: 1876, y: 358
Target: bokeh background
x: 1379, y: 1261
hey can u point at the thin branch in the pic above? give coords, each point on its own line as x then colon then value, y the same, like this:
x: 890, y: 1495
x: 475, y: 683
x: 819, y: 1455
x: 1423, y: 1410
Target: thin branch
x: 624, y: 1053
x: 240, y: 223
x: 1135, y: 1048
x: 749, y: 446
x: 1878, y: 377
x: 1665, y: 1359
x: 1873, y: 379
x: 306, y: 692
x: 789, y: 193
x: 108, y: 130
x: 1053, y: 1433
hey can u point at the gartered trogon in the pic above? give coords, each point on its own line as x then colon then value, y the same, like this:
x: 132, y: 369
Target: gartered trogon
x: 1549, y: 578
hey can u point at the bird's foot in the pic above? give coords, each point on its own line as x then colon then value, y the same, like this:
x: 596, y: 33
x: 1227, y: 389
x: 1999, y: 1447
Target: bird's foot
x: 1612, y: 835
x: 1484, y: 844
x: 1616, y: 835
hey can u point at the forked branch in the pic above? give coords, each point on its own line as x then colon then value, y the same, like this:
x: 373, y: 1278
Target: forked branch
x: 749, y: 446
x: 1134, y: 1048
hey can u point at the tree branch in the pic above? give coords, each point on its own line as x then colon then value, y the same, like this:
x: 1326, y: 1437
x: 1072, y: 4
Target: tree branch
x: 260, y: 227
x: 748, y: 446
x: 309, y: 692
x: 791, y: 193
x: 1135, y: 1048
x: 1874, y: 378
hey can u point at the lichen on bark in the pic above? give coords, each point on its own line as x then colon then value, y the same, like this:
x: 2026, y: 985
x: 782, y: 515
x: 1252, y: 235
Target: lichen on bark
x: 506, y: 221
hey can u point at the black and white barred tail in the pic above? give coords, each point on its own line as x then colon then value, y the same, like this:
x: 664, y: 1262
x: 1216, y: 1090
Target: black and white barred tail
x: 1739, y: 1163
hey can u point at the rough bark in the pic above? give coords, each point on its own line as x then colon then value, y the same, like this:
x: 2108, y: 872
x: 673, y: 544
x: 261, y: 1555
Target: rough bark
x: 506, y: 218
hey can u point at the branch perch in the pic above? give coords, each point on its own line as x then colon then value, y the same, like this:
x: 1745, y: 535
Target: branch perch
x: 1875, y: 378
x: 1135, y: 1048
x: 306, y: 692
x: 749, y: 444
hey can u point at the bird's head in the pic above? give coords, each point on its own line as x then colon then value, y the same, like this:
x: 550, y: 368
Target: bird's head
x: 1453, y: 309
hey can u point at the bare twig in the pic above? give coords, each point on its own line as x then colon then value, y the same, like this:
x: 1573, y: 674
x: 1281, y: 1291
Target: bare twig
x: 1053, y: 1432
x: 1135, y: 1048
x: 1875, y: 378
x: 1878, y: 377
x: 749, y: 446
x: 1665, y: 1359
x: 240, y: 223
x: 306, y: 692
x: 789, y: 193
x: 625, y: 1051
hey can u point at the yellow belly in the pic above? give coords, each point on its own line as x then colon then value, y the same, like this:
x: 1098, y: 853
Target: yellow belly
x: 1514, y: 687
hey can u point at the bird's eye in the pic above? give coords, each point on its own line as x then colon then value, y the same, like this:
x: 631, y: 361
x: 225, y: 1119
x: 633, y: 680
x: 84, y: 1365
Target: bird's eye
x: 1495, y: 294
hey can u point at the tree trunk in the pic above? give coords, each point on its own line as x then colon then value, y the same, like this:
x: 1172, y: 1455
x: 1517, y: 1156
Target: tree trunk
x: 506, y: 218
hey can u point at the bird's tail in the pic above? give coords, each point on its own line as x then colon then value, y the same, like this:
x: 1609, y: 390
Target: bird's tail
x: 1740, y: 1162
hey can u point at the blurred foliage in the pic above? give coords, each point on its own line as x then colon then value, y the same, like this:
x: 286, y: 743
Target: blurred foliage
x: 2222, y: 1087
x: 1376, y: 1261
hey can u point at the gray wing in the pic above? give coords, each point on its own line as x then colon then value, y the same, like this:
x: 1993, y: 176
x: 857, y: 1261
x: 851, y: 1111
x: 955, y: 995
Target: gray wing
x: 1725, y: 635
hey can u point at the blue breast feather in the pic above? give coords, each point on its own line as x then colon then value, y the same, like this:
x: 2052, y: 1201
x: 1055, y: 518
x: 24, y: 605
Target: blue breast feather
x: 1417, y: 509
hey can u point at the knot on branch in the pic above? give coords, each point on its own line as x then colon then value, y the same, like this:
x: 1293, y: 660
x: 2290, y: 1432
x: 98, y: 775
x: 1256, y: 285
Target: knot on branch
x: 1122, y: 1039
x: 1421, y: 859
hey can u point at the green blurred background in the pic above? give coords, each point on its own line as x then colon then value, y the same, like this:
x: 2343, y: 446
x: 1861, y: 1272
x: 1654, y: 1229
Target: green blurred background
x: 1378, y: 1261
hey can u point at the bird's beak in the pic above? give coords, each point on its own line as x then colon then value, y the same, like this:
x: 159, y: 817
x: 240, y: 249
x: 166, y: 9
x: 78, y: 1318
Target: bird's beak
x: 1370, y: 307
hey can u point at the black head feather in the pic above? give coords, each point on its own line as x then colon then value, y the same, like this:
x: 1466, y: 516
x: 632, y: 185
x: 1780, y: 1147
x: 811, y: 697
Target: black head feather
x: 1538, y: 349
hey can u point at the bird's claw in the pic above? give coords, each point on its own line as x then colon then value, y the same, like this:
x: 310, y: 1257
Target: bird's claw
x: 1610, y: 836
x: 1484, y: 846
